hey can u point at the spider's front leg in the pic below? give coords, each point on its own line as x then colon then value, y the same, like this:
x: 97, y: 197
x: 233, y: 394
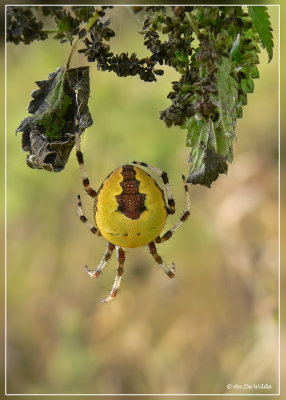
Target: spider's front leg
x: 83, y: 218
x: 183, y: 218
x: 171, y: 202
x: 119, y: 272
x: 85, y: 181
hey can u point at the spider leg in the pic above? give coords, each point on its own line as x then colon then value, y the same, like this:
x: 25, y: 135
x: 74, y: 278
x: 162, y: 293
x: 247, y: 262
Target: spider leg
x: 171, y: 202
x: 85, y: 181
x: 103, y: 262
x: 183, y: 218
x: 83, y: 218
x: 121, y: 258
x: 168, y: 271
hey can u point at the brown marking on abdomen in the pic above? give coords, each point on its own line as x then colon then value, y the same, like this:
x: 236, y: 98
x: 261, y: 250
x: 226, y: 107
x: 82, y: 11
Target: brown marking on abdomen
x: 131, y: 202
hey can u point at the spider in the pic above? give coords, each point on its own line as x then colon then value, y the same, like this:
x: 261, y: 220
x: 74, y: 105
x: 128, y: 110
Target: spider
x: 130, y: 210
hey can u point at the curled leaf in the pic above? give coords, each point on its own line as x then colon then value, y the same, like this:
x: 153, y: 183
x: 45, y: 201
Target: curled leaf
x: 49, y: 156
x: 49, y: 133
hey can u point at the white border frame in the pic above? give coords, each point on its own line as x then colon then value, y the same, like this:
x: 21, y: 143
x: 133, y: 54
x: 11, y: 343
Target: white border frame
x: 279, y: 226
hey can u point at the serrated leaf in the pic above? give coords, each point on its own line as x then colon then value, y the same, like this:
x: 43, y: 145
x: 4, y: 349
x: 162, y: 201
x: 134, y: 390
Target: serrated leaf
x: 239, y: 111
x: 194, y: 129
x: 212, y: 144
x: 224, y: 127
x: 260, y: 19
x: 49, y: 134
x: 200, y: 137
x: 206, y: 163
x: 235, y: 47
x: 247, y: 85
x: 250, y: 57
x: 251, y: 71
x: 254, y: 72
x: 243, y: 98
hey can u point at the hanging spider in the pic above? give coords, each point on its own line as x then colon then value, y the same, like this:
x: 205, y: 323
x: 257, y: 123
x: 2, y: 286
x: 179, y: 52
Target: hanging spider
x: 130, y: 211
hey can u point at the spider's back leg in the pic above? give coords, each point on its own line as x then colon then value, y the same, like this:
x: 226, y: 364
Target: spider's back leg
x: 119, y: 272
x: 170, y: 271
x: 103, y: 262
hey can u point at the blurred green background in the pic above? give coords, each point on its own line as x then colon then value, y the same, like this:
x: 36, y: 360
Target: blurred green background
x: 216, y: 322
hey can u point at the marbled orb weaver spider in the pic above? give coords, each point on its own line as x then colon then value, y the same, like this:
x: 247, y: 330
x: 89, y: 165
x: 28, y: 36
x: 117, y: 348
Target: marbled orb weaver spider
x: 130, y: 211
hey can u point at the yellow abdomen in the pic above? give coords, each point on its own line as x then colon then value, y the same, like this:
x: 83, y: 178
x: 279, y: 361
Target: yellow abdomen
x: 130, y: 209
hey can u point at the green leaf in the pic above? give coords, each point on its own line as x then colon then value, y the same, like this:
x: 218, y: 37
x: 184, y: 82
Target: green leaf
x: 194, y: 127
x: 212, y: 141
x: 247, y: 85
x: 198, y: 135
x: 235, y: 47
x: 260, y: 19
x: 239, y: 111
x: 207, y: 164
x: 182, y: 57
x: 252, y: 71
x: 224, y: 127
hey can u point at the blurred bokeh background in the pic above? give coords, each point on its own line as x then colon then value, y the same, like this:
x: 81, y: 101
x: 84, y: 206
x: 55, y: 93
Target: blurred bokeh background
x: 216, y: 323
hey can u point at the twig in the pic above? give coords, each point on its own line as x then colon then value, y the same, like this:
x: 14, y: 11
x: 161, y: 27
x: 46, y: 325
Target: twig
x: 193, y: 24
x: 87, y: 27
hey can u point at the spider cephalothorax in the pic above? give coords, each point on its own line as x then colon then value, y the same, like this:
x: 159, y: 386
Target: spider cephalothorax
x: 130, y: 210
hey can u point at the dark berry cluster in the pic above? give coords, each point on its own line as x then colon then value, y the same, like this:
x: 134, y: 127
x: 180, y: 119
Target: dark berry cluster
x: 122, y: 64
x: 22, y: 26
x: 176, y: 52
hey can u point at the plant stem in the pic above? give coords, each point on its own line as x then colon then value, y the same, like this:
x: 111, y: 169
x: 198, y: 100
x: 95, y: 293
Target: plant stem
x: 50, y: 31
x: 193, y: 24
x: 87, y: 27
